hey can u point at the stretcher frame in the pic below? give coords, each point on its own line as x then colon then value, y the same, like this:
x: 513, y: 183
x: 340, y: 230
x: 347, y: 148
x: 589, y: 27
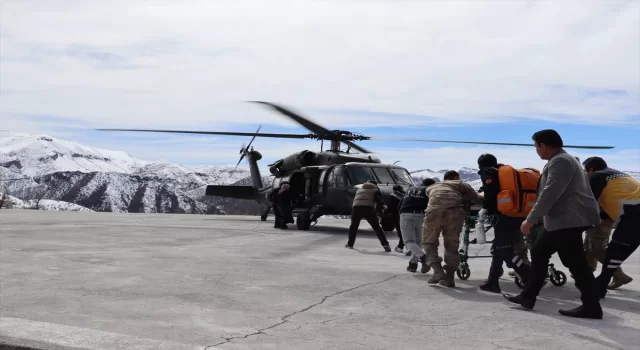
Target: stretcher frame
x: 556, y: 277
x: 464, y: 272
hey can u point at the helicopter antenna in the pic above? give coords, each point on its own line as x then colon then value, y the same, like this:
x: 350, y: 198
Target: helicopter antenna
x: 394, y: 163
x: 321, y: 145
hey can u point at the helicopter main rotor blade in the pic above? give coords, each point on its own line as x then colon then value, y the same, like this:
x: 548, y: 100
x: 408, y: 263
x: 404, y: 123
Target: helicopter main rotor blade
x: 359, y: 148
x: 286, y: 136
x: 311, y: 126
x: 485, y: 143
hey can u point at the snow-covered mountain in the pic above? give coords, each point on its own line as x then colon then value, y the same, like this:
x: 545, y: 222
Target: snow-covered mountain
x: 37, y: 155
x: 468, y: 175
x: 106, y: 180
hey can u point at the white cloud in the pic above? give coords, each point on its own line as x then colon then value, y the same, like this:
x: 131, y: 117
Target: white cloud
x: 189, y: 65
x: 168, y: 63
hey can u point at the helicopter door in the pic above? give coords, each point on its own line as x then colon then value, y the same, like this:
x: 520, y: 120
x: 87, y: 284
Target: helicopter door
x: 336, y: 193
x: 297, y: 183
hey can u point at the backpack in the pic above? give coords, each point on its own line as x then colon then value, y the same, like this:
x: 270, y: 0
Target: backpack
x: 518, y: 187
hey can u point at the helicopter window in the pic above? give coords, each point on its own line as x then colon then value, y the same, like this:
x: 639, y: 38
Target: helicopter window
x: 384, y: 176
x: 338, y: 178
x: 321, y: 180
x: 402, y: 176
x: 359, y: 175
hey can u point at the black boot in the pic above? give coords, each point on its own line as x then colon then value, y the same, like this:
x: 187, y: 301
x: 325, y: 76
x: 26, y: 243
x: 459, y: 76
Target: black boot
x: 413, y: 267
x: 594, y: 312
x: 520, y: 300
x: 425, y: 268
x: 495, y: 271
x: 601, y: 287
x: 490, y: 286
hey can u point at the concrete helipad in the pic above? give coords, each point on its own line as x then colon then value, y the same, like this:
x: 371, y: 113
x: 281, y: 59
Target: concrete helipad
x: 73, y: 280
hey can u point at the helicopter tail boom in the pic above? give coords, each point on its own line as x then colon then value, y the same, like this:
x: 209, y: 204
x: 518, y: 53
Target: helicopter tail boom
x: 232, y: 191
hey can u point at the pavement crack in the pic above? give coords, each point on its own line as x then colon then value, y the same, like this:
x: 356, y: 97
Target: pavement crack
x: 338, y: 318
x: 284, y: 319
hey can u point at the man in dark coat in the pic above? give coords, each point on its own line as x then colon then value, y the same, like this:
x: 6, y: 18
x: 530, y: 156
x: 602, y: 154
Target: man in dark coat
x: 272, y: 199
x: 283, y: 205
x: 394, y: 203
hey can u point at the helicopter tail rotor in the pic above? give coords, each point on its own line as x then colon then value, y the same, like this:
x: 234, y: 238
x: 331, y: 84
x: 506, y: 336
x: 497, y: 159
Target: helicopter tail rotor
x: 245, y: 149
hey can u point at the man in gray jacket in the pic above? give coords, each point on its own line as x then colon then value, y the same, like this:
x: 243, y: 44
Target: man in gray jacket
x: 367, y: 197
x: 566, y: 206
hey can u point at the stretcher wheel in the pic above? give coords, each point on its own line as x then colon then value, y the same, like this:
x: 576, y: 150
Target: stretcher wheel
x: 463, y: 272
x: 519, y: 283
x: 558, y: 278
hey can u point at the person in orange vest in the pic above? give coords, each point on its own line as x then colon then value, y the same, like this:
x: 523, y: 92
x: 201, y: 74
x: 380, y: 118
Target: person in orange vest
x: 506, y: 228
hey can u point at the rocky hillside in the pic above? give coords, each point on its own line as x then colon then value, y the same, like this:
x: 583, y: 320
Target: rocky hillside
x: 104, y: 180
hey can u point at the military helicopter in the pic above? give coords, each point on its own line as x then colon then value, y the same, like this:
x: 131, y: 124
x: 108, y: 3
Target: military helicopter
x: 325, y: 182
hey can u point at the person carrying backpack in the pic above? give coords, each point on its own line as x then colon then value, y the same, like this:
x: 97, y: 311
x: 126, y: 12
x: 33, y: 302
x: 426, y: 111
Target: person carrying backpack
x: 505, y: 203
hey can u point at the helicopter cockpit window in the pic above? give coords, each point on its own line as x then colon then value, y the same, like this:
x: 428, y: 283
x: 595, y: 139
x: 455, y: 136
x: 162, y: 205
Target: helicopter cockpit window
x: 339, y: 179
x: 384, y: 176
x: 359, y: 175
x: 402, y: 176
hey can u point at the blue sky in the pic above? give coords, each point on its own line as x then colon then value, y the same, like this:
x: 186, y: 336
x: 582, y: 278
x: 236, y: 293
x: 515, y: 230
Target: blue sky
x: 485, y: 71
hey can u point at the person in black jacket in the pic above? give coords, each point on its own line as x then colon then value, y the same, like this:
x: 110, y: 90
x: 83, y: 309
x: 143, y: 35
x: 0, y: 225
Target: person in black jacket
x: 506, y: 229
x: 283, y: 205
x: 411, y: 209
x: 394, y: 202
x: 274, y: 205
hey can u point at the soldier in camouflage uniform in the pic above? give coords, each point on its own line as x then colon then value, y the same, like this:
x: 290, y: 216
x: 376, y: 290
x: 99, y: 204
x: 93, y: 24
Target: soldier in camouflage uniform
x: 446, y: 213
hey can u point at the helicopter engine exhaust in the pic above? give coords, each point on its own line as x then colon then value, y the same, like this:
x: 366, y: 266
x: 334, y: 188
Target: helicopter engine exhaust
x: 292, y: 162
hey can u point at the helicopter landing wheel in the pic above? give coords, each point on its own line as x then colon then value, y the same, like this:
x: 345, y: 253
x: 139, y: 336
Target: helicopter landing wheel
x: 303, y: 221
x: 463, y: 271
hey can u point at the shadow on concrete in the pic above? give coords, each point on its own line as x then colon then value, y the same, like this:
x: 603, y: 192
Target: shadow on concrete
x: 547, y: 305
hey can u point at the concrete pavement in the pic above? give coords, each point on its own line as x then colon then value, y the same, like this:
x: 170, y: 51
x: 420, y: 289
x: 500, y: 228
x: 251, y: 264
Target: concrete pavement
x: 74, y: 280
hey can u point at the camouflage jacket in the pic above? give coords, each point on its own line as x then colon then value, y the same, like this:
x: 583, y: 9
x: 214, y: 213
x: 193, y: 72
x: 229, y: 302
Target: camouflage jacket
x: 450, y: 194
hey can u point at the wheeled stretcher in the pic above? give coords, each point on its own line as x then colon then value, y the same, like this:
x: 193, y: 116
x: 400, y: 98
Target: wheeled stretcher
x: 557, y: 277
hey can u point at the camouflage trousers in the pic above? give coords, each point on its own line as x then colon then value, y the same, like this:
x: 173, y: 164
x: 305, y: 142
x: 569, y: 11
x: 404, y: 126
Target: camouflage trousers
x: 449, y: 222
x: 595, y: 246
